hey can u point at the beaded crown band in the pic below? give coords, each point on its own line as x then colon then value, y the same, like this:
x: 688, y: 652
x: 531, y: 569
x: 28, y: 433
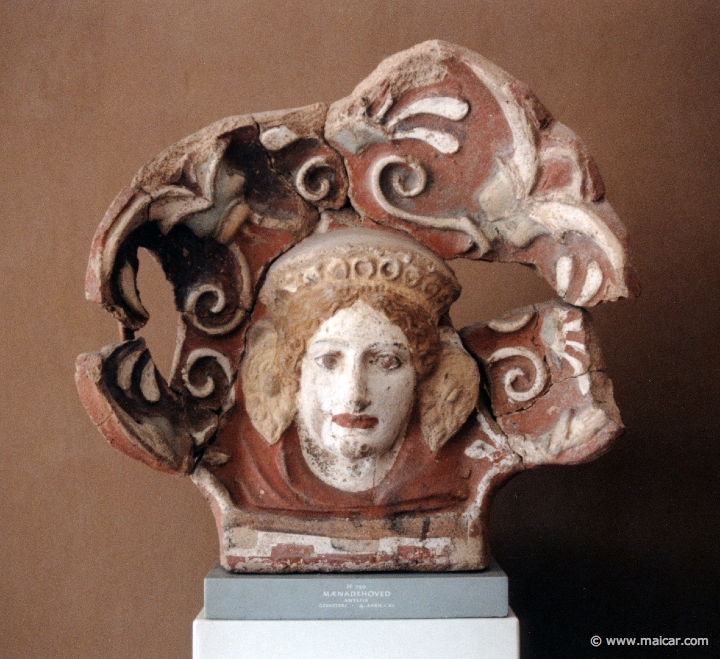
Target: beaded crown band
x: 363, y: 257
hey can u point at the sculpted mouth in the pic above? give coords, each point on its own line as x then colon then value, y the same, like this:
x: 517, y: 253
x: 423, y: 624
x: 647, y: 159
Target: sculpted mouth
x: 362, y: 421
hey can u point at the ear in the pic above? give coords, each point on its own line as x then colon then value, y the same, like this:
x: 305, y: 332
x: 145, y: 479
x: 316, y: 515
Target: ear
x: 451, y: 393
x: 269, y: 403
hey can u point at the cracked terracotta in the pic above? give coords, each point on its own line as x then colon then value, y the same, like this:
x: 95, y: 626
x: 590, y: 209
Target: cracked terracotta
x: 319, y: 397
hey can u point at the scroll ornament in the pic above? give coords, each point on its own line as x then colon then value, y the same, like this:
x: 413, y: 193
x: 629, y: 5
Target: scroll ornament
x: 261, y: 221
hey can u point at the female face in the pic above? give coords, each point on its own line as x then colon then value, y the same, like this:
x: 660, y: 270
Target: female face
x: 357, y: 384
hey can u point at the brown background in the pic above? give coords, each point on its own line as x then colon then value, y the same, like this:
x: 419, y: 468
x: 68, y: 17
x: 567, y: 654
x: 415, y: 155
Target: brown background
x: 103, y: 558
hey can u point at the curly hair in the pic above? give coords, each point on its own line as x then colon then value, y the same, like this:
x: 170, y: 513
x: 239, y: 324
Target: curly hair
x: 299, y: 316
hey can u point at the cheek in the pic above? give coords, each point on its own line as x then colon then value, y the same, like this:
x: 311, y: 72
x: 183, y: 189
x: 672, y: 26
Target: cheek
x: 326, y: 388
x: 316, y: 388
x: 395, y: 392
x: 406, y: 392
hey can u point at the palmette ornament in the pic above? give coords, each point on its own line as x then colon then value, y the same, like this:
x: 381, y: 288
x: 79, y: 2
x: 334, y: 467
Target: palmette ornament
x: 320, y: 398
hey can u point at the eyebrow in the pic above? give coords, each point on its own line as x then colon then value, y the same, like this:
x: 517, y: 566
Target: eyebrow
x: 334, y: 342
x: 402, y: 346
x: 372, y: 346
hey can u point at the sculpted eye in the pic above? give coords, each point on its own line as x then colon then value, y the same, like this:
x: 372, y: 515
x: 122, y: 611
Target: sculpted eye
x: 387, y: 361
x: 327, y: 361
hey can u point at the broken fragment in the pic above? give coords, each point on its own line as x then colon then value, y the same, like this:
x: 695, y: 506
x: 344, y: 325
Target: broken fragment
x: 313, y: 242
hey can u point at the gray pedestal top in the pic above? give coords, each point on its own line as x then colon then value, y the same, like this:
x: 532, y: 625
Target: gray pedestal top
x: 356, y: 596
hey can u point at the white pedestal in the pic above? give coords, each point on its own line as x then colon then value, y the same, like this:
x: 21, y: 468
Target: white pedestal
x: 453, y: 638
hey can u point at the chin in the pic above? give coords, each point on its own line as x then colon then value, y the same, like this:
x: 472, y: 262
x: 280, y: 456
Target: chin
x: 366, y: 449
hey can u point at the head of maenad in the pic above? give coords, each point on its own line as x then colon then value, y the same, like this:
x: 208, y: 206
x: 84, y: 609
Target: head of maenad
x: 357, y: 333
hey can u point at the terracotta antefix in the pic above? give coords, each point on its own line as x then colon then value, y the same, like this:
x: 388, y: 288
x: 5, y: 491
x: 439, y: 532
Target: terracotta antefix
x: 320, y: 397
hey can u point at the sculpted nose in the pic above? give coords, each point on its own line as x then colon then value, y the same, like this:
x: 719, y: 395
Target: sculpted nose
x: 358, y: 405
x: 356, y: 393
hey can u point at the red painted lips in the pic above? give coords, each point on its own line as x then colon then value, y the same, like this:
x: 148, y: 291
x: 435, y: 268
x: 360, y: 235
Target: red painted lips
x: 362, y: 421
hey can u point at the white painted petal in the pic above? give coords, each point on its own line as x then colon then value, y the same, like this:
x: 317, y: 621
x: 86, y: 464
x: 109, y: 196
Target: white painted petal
x: 593, y: 281
x: 574, y: 362
x: 203, y: 435
x: 511, y: 324
x: 560, y: 218
x: 128, y: 289
x: 480, y: 450
x: 524, y: 155
x: 148, y: 384
x: 563, y: 271
x: 274, y: 139
x: 573, y: 326
x: 584, y: 384
x: 443, y: 142
x: 125, y: 369
x: 580, y: 347
x: 387, y: 104
x: 441, y: 106
x: 499, y: 439
x: 560, y: 433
